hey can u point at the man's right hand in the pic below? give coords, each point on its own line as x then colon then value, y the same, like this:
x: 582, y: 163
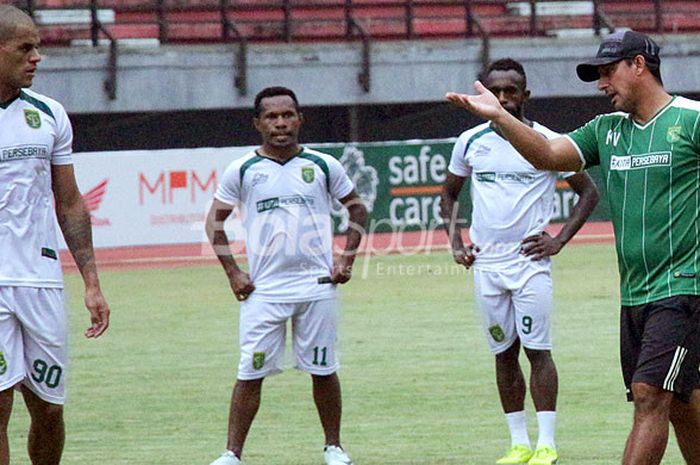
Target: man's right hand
x: 484, y: 104
x: 465, y: 255
x: 241, y: 285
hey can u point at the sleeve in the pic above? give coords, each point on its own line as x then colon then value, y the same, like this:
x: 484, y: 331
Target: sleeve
x: 695, y: 134
x: 63, y: 144
x: 585, y: 140
x: 339, y: 184
x: 549, y: 134
x: 458, y: 161
x: 229, y: 189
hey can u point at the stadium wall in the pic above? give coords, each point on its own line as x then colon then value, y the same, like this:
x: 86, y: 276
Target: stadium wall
x: 176, y: 78
x: 184, y: 96
x: 360, y: 123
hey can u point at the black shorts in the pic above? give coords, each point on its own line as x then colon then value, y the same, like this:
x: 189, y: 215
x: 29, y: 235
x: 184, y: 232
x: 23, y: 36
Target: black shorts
x: 660, y: 345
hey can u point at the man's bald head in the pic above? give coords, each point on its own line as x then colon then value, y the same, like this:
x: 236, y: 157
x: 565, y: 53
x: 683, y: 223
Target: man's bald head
x: 10, y: 19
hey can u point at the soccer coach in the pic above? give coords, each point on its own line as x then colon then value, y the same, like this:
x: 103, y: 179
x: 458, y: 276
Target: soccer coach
x: 648, y: 151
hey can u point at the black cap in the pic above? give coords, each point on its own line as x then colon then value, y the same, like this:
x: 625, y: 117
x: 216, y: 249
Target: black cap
x: 616, y: 47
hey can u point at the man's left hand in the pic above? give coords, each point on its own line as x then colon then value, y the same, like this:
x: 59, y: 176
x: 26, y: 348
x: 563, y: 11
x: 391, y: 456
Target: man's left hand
x: 540, y: 246
x: 342, y: 270
x: 99, y: 312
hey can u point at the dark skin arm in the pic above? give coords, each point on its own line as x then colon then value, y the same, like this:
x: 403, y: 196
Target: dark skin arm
x: 463, y: 255
x: 239, y: 280
x: 342, y: 265
x: 543, y: 245
x: 74, y: 220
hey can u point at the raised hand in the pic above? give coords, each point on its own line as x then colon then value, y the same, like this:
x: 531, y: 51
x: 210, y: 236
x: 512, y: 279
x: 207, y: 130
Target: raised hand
x: 483, y: 104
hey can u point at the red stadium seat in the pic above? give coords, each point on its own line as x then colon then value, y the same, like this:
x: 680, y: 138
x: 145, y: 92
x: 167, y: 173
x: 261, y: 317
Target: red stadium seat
x: 326, y: 20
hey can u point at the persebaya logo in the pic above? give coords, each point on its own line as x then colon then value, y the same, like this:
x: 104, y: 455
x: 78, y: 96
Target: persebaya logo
x: 308, y: 174
x: 32, y: 118
x: 258, y: 360
x: 3, y: 364
x: 641, y: 161
x: 673, y: 134
x: 497, y: 333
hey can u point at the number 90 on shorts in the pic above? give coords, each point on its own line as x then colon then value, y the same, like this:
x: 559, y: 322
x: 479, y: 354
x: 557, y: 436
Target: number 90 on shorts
x: 33, y: 341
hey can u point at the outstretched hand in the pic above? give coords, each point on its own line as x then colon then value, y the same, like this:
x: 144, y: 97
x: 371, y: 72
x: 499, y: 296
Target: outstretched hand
x: 484, y: 104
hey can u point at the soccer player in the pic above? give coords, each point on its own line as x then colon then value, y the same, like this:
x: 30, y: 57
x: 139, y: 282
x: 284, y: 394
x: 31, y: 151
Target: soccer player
x: 284, y: 192
x: 648, y: 151
x: 36, y: 169
x: 512, y: 204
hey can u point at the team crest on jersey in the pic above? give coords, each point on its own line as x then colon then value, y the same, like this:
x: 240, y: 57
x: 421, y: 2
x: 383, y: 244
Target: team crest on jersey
x: 497, y: 333
x: 258, y: 360
x: 3, y: 364
x: 308, y: 174
x: 33, y: 118
x: 673, y: 134
x: 259, y: 178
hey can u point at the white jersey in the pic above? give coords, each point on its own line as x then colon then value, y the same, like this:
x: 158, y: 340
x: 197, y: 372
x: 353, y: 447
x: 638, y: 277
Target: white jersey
x: 35, y: 133
x: 511, y: 200
x: 285, y: 209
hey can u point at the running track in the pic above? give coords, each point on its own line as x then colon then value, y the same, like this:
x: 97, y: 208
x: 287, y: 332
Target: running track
x: 181, y: 255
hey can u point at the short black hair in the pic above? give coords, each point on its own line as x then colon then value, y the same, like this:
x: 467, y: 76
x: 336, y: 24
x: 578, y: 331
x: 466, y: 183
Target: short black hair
x: 273, y: 92
x: 504, y: 64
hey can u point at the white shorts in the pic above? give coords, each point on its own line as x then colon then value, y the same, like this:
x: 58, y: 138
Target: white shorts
x: 33, y: 341
x: 515, y: 304
x: 263, y: 327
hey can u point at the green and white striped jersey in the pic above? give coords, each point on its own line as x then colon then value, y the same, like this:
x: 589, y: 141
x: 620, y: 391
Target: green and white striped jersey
x: 652, y: 176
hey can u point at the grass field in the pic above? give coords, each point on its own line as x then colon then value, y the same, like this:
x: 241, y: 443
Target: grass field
x: 418, y: 379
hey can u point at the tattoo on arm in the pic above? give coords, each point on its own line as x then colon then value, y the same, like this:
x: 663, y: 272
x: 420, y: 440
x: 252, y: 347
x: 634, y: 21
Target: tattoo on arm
x: 75, y: 224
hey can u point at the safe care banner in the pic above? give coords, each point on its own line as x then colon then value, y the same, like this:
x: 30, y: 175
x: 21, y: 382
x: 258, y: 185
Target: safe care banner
x: 161, y: 196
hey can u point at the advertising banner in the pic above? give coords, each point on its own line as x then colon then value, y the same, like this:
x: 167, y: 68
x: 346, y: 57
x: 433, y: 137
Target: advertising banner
x: 161, y: 196
x: 151, y: 197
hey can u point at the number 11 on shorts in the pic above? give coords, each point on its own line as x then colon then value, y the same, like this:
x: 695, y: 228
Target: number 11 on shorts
x: 322, y: 351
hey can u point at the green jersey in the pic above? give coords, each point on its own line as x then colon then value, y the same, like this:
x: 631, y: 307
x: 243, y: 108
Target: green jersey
x: 652, y: 175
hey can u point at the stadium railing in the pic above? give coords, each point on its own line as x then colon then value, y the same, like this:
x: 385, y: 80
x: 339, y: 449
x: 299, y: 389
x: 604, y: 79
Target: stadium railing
x: 186, y: 21
x: 239, y: 22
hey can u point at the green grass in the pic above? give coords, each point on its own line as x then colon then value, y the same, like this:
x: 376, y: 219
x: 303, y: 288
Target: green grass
x: 418, y: 379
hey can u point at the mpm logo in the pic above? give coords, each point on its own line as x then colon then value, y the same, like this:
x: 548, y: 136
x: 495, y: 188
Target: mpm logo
x: 168, y: 183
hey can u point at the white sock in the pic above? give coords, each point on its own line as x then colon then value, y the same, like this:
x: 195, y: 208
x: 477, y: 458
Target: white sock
x: 517, y: 423
x: 546, y: 422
